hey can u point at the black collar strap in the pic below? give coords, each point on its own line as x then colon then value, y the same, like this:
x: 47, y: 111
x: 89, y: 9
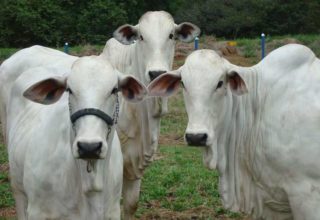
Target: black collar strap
x: 91, y: 111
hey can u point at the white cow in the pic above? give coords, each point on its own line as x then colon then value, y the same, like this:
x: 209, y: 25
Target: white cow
x: 65, y: 158
x: 266, y: 143
x: 21, y: 61
x: 146, y: 50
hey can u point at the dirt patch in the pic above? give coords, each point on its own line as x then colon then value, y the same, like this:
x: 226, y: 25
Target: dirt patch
x: 8, y: 212
x: 171, y: 139
x: 223, y: 48
x: 229, y: 50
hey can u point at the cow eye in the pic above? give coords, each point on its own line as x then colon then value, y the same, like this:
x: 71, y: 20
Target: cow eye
x: 69, y: 90
x: 220, y: 83
x: 114, y: 90
x: 141, y: 38
x: 171, y: 36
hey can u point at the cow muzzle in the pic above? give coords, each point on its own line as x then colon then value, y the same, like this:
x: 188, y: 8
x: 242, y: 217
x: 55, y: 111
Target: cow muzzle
x: 197, y: 139
x: 89, y: 150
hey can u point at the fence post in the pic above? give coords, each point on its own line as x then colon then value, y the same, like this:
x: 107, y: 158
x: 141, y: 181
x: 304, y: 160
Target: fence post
x: 262, y: 45
x: 66, y: 48
x: 196, y: 43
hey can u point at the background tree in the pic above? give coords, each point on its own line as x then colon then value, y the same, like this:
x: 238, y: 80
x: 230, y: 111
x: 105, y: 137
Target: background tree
x: 28, y: 22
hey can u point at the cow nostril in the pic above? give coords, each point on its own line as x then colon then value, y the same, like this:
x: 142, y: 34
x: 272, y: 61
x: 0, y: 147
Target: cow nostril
x: 89, y: 150
x: 81, y: 145
x: 155, y: 74
x: 204, y: 137
x: 96, y: 146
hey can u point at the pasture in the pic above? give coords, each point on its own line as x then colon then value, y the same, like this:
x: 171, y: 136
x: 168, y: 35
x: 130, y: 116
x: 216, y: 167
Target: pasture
x: 176, y: 185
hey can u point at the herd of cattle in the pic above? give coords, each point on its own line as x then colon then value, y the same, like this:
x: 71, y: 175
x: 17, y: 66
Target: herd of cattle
x: 81, y: 131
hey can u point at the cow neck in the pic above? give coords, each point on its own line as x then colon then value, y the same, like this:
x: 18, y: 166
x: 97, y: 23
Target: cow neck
x: 239, y: 135
x: 149, y: 134
x: 149, y: 112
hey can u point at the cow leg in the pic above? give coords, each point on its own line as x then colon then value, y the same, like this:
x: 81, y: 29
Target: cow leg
x: 131, y: 192
x: 21, y: 205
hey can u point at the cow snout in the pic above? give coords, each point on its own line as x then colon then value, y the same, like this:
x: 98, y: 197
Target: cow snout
x: 89, y: 150
x: 155, y: 74
x: 199, y: 139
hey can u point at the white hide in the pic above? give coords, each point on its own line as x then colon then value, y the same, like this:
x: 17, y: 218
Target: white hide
x: 263, y: 137
x: 48, y: 180
x: 152, y: 44
x: 22, y: 60
x: 147, y: 46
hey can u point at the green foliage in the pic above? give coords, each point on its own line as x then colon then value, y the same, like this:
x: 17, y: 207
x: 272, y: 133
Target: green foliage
x: 55, y: 22
x: 100, y: 18
x: 28, y: 22
x: 251, y: 17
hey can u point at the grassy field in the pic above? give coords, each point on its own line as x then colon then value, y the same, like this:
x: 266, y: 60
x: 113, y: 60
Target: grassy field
x: 176, y: 185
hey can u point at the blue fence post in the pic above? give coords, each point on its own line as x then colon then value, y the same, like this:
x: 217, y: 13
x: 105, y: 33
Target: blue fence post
x: 262, y: 45
x: 66, y: 48
x: 196, y: 43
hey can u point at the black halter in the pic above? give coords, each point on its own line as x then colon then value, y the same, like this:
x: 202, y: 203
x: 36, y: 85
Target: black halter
x: 96, y: 112
x: 92, y: 111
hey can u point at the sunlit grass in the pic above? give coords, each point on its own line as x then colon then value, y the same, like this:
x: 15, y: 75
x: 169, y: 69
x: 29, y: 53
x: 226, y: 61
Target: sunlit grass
x: 175, y: 121
x: 179, y: 182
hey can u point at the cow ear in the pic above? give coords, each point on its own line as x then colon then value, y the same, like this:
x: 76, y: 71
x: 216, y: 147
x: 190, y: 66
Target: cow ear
x: 166, y: 84
x: 236, y: 82
x: 126, y: 34
x: 186, y: 32
x: 47, y: 91
x: 132, y: 89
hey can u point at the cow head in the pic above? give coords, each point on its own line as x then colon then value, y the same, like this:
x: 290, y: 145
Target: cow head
x: 92, y: 88
x: 208, y: 80
x: 155, y: 36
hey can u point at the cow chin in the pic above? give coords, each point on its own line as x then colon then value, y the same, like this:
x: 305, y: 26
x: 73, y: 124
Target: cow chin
x: 209, y: 156
x: 160, y: 107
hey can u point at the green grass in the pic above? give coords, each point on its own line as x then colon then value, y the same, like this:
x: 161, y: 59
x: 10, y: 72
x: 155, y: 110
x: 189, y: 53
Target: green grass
x: 179, y: 182
x: 6, y: 199
x: 249, y: 47
x: 3, y: 154
x: 175, y: 122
